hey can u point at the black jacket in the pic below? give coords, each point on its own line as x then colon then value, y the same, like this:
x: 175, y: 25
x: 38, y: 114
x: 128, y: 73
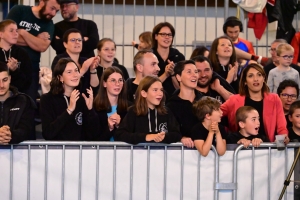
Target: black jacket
x: 17, y: 112
x: 175, y: 56
x: 57, y: 124
x: 131, y: 89
x: 104, y: 133
x: 88, y: 28
x: 21, y: 77
x: 183, y: 112
x: 134, y: 129
x: 121, y: 67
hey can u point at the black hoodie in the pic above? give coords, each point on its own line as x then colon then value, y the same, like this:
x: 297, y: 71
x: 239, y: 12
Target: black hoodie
x: 17, y: 112
x: 175, y: 56
x: 183, y: 112
x: 133, y: 129
x: 57, y: 124
x: 21, y: 77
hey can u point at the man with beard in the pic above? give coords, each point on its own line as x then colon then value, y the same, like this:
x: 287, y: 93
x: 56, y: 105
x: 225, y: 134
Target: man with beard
x: 17, y: 113
x: 210, y: 83
x: 145, y: 63
x: 88, y: 29
x: 35, y: 28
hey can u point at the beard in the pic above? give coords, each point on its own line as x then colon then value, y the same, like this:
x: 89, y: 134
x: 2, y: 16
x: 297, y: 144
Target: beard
x: 204, y: 85
x: 68, y: 16
x: 42, y: 15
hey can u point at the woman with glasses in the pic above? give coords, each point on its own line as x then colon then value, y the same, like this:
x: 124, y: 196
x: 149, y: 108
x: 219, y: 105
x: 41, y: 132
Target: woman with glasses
x: 254, y: 92
x: 285, y: 54
x: 162, y: 40
x: 66, y: 113
x: 107, y: 51
x: 110, y: 103
x: 288, y: 92
x: 73, y: 43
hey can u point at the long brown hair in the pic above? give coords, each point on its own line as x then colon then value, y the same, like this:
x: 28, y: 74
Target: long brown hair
x: 101, y: 101
x: 56, y: 87
x: 141, y: 106
x: 243, y: 88
x: 213, y: 56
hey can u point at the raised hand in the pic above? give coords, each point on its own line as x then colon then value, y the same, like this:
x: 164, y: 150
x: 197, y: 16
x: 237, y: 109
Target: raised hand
x: 12, y: 64
x: 170, y: 68
x: 89, y: 100
x: 73, y: 99
x: 116, y: 119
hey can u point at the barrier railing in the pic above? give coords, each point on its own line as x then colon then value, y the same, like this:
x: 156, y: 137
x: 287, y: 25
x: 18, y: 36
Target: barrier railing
x: 116, y: 170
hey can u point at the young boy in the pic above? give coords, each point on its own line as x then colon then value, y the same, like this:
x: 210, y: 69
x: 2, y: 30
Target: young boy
x: 283, y: 71
x: 247, y: 119
x: 208, y: 132
x: 294, y: 117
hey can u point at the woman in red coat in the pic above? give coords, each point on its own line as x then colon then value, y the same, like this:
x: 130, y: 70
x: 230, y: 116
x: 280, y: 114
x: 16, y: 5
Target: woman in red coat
x: 253, y: 91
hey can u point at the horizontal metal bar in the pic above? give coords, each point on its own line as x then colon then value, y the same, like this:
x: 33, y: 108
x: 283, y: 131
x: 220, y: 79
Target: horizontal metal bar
x: 225, y: 186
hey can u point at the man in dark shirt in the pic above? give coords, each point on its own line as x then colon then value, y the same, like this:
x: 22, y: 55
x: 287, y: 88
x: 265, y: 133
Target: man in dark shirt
x: 88, y: 29
x: 209, y: 82
x: 145, y: 63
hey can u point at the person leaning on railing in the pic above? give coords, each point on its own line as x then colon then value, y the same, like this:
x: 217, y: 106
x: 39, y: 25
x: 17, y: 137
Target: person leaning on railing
x: 67, y: 114
x: 17, y: 111
x: 149, y: 120
x: 253, y: 91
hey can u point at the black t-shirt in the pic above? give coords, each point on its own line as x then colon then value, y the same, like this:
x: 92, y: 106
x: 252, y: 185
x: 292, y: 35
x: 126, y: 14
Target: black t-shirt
x: 233, y: 138
x: 199, y: 132
x: 212, y: 93
x: 131, y: 89
x: 293, y: 136
x: 100, y: 70
x: 223, y: 72
x: 288, y: 122
x: 258, y: 105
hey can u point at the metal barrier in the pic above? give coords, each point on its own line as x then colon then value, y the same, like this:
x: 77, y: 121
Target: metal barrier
x: 32, y: 153
x: 270, y: 175
x: 116, y: 170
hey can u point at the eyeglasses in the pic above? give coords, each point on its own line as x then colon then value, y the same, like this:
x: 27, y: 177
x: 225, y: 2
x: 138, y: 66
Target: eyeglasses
x: 67, y: 5
x: 285, y: 57
x: 272, y: 50
x: 114, y: 81
x: 165, y: 34
x: 286, y: 96
x: 75, y: 39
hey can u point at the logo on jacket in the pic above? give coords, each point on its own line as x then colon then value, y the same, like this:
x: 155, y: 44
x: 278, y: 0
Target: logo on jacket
x: 14, y: 109
x: 163, y: 127
x: 78, y: 118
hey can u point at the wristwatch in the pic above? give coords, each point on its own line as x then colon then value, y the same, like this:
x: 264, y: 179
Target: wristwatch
x: 94, y: 72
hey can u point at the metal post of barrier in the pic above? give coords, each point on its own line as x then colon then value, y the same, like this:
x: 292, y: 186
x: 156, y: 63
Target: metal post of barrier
x: 97, y: 173
x: 184, y: 36
x: 80, y: 172
x: 103, y: 14
x: 131, y: 172
x: 148, y: 172
x: 195, y: 24
x: 269, y: 173
x: 46, y: 172
x: 234, y: 195
x: 216, y: 18
x: 181, y: 173
x: 165, y: 174
x: 144, y: 24
x: 205, y: 22
x: 123, y: 35
x: 165, y: 10
x: 28, y: 172
x: 226, y: 8
x: 11, y: 172
x: 216, y: 193
x: 198, y: 177
x: 63, y: 174
x: 252, y: 173
x: 285, y: 168
x: 114, y: 172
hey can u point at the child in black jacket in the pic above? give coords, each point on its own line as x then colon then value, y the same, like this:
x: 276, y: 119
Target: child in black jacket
x: 149, y: 120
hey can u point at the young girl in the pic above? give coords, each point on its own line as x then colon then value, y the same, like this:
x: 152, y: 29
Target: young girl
x: 110, y: 103
x: 145, y: 41
x: 149, y: 120
x: 65, y: 113
x: 107, y: 52
x: 223, y: 59
x: 208, y: 131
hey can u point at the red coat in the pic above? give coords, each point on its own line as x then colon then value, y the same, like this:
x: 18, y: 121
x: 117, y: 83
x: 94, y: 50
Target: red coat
x: 295, y: 43
x: 273, y: 115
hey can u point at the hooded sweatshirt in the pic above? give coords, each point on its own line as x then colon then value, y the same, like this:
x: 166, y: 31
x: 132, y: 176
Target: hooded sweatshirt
x: 134, y: 129
x: 21, y: 77
x: 57, y: 124
x: 183, y: 112
x: 17, y: 112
